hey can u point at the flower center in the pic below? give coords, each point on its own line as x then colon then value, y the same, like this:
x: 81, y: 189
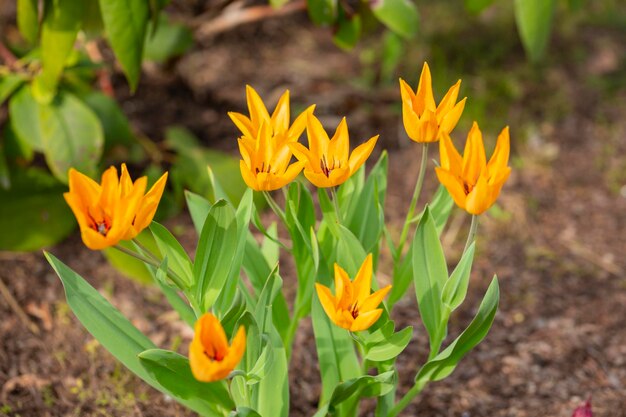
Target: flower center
x: 326, y: 168
x: 99, y: 222
x: 216, y: 356
x: 263, y: 168
x: 354, y: 310
x: 467, y: 188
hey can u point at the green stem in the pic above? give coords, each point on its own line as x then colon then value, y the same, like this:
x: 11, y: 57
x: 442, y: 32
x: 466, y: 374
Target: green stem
x: 335, y: 199
x: 146, y: 250
x: 416, y: 195
x: 472, y: 233
x: 275, y: 207
x: 408, y: 397
x: 153, y: 262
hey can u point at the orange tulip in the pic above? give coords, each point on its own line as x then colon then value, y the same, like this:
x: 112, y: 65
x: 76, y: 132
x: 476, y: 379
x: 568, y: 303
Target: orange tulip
x: 473, y: 183
x: 210, y: 356
x: 265, y: 163
x: 116, y: 209
x: 278, y: 122
x: 424, y: 121
x: 328, y: 162
x: 353, y: 307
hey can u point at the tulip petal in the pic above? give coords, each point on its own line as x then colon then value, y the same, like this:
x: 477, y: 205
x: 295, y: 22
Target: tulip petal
x: 363, y: 280
x: 258, y: 111
x: 450, y: 119
x: 338, y: 176
x: 339, y: 146
x: 280, y: 118
x: 411, y: 123
x: 474, y: 159
x: 424, y: 99
x: 374, y: 300
x: 149, y: 204
x: 500, y: 157
x: 298, y: 125
x: 318, y: 179
x: 248, y: 176
x: 243, y: 123
x: 453, y: 185
x: 289, y: 175
x: 447, y: 102
x: 327, y: 300
x: 364, y: 321
x: 303, y: 155
x: 317, y: 136
x: 479, y: 199
x: 361, y: 153
x: 449, y: 157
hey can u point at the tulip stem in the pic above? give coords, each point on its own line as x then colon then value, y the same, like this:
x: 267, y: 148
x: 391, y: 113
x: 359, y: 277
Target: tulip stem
x: 145, y: 250
x: 471, y: 237
x: 408, y: 397
x: 153, y: 262
x: 333, y: 191
x: 416, y: 195
x: 275, y: 207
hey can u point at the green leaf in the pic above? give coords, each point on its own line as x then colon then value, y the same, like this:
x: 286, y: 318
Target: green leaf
x: 477, y: 6
x: 455, y: 289
x: 216, y: 248
x: 534, y: 21
x: 182, y: 307
x: 115, y: 332
x: 33, y: 213
x: 391, y: 347
x: 199, y: 208
x: 72, y: 136
x: 400, y: 16
x: 322, y: 12
x: 28, y: 19
x: 368, y: 221
x: 168, y: 41
x: 178, y: 260
x: 244, y: 412
x: 335, y: 351
x: 5, y: 176
x: 9, y: 83
x: 24, y: 111
x: 363, y: 386
x: 446, y: 361
x: 173, y: 372
x: 125, y: 23
x: 61, y: 22
x: 347, y: 31
x: 115, y: 125
x: 430, y: 273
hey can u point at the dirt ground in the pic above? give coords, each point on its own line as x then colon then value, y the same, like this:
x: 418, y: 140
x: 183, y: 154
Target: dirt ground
x: 557, y: 240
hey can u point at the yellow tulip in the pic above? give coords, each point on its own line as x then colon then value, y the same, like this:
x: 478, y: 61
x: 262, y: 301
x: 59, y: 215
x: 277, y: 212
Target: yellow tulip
x: 278, y: 122
x: 266, y: 161
x: 327, y: 161
x: 210, y: 356
x: 116, y: 209
x: 353, y: 307
x: 473, y: 183
x: 423, y: 120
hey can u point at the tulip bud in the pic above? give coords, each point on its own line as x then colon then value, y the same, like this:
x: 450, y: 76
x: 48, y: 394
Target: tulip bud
x: 583, y: 410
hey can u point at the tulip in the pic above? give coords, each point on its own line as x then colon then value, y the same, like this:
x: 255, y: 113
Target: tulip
x: 473, y: 183
x: 278, y: 122
x: 425, y: 122
x: 353, y: 307
x: 210, y: 356
x: 265, y: 163
x: 327, y: 161
x: 116, y: 209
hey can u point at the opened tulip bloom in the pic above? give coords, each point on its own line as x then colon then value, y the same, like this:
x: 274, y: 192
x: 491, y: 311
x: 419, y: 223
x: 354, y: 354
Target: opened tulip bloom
x: 265, y: 163
x: 424, y: 121
x: 328, y: 162
x: 117, y: 209
x: 210, y: 356
x: 473, y: 183
x: 278, y: 122
x: 353, y: 307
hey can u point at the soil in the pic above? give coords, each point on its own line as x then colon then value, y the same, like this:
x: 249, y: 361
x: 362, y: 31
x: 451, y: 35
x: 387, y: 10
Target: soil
x: 557, y: 239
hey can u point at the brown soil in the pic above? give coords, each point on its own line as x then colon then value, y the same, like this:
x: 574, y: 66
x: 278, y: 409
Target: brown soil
x: 557, y: 244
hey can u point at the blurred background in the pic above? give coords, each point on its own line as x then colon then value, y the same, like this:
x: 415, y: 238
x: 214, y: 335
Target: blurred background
x: 73, y: 93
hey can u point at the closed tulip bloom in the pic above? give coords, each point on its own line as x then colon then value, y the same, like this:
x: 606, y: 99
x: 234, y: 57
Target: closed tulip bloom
x: 278, y: 122
x: 265, y: 163
x: 210, y: 356
x: 353, y: 307
x: 424, y: 121
x: 116, y: 209
x: 474, y: 183
x: 328, y: 162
